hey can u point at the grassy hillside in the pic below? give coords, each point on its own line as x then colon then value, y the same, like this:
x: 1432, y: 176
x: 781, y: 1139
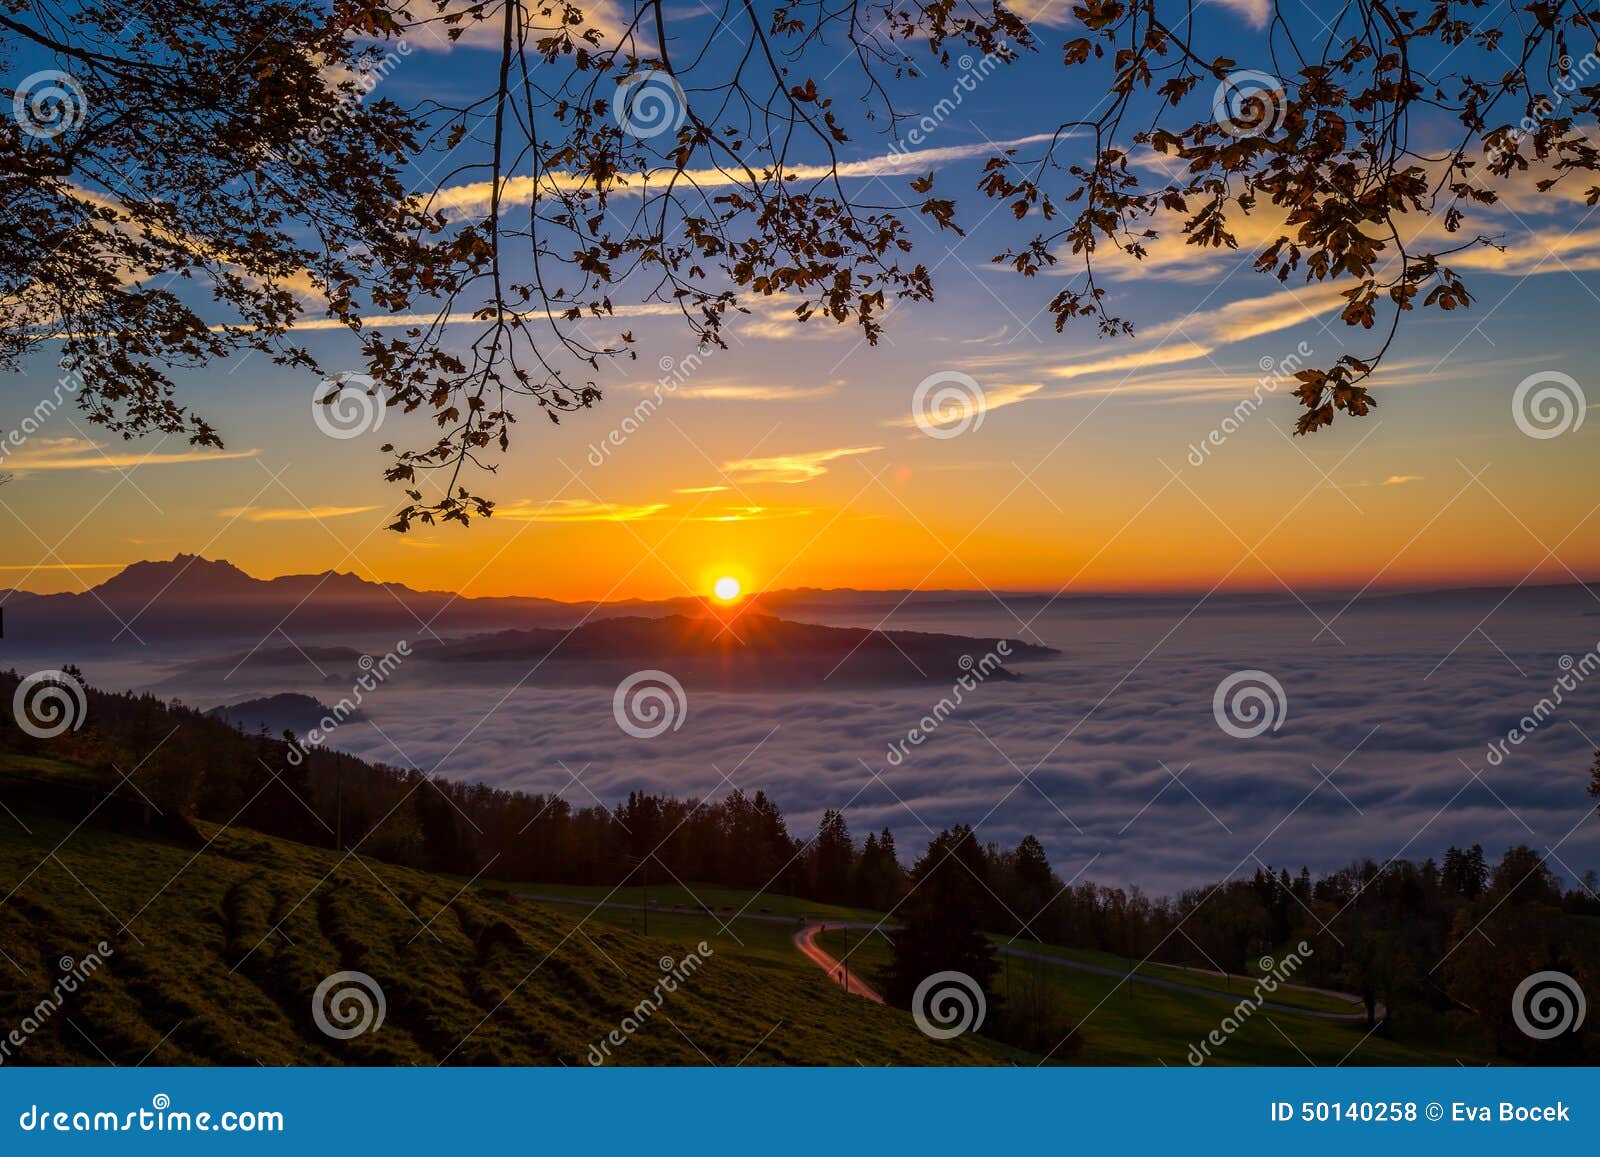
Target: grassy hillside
x: 218, y: 943
x: 1140, y: 1024
x: 220, y: 936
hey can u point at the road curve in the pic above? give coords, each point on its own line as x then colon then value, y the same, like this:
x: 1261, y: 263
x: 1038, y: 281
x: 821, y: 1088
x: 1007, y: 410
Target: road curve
x: 819, y: 956
x: 806, y: 941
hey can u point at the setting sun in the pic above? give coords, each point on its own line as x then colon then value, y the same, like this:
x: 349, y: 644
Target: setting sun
x: 726, y: 588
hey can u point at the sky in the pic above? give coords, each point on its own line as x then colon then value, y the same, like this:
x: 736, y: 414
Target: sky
x: 793, y: 458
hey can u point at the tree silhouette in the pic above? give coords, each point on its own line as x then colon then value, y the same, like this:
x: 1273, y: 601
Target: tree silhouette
x: 241, y: 147
x: 943, y: 920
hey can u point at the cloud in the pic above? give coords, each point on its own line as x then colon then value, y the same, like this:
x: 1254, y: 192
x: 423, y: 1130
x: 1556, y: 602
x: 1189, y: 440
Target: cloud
x: 750, y: 514
x: 1256, y: 13
x: 699, y: 489
x: 291, y: 513
x: 576, y: 510
x: 82, y: 454
x: 474, y: 198
x: 748, y: 392
x: 791, y: 468
x: 1050, y: 13
x: 605, y: 16
x: 1400, y: 479
x: 1369, y: 716
x: 995, y: 397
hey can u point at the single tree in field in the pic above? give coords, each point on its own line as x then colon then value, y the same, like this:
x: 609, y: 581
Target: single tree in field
x: 942, y: 920
x: 180, y: 189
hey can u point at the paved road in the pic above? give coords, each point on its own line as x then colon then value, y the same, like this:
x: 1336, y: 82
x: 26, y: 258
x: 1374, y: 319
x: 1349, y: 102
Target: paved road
x: 805, y: 943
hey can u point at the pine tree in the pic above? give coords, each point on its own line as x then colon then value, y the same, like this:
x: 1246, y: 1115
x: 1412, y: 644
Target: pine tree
x: 942, y: 926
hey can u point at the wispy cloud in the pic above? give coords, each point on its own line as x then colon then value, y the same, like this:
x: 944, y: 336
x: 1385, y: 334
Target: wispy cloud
x: 81, y: 454
x: 474, y: 199
x: 751, y: 514
x: 995, y: 397
x: 751, y: 392
x: 577, y: 510
x: 791, y: 468
x: 290, y: 513
x: 1400, y: 479
x: 1256, y: 13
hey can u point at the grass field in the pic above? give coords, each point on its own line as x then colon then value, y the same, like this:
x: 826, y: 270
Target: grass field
x: 1140, y: 1024
x: 219, y: 937
x: 216, y: 953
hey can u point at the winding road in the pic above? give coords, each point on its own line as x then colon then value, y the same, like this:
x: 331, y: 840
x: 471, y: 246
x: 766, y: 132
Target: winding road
x: 805, y: 942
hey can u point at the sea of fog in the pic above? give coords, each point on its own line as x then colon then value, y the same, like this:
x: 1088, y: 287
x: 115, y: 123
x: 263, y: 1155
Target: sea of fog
x: 1112, y: 753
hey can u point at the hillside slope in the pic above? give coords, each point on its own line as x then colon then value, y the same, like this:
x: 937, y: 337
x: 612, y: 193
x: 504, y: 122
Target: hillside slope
x: 222, y: 944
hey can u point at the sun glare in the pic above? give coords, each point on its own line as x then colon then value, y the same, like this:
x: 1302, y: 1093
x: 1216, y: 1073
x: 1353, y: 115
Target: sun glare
x: 726, y: 589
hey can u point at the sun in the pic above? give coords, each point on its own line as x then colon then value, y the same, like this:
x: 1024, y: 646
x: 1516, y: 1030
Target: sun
x: 726, y: 589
